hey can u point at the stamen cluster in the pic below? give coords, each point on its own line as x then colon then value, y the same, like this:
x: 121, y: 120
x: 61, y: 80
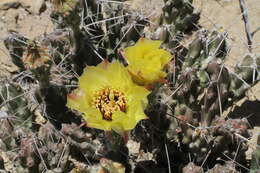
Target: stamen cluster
x: 109, y: 100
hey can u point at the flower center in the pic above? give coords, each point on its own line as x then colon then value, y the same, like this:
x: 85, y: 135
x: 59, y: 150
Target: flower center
x: 108, y: 101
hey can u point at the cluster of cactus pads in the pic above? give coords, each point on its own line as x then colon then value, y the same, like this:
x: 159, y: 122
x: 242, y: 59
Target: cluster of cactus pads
x: 186, y: 130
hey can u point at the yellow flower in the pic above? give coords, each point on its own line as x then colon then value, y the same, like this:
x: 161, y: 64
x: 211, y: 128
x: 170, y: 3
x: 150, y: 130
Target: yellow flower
x: 108, y: 98
x: 146, y: 61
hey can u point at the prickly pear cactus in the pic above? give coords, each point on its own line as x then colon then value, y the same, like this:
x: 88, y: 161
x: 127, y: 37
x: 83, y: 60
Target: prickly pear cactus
x: 189, y: 109
x: 186, y: 130
x: 15, y: 104
x: 255, y: 163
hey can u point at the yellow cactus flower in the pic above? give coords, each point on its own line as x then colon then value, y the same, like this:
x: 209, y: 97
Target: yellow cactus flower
x: 108, y: 98
x: 146, y: 61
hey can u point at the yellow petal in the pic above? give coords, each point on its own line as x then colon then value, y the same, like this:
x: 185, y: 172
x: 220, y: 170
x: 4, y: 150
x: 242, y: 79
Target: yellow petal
x: 160, y: 54
x: 94, y: 119
x: 115, y: 77
x: 147, y: 45
x: 77, y: 100
x: 117, y: 74
x: 117, y: 125
x: 131, y: 121
x: 93, y: 79
x: 146, y: 61
x: 137, y: 101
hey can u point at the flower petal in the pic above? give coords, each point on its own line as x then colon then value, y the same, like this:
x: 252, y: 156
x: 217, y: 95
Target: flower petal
x: 77, y: 100
x: 93, y: 79
x: 146, y: 61
x: 115, y: 77
x: 94, y: 119
x: 148, y: 45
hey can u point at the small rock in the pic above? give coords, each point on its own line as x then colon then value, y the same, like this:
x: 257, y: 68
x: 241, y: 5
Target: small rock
x: 229, y: 167
x: 3, y: 114
x: 39, y: 6
x: 133, y: 147
x: 192, y: 168
x: 8, y: 5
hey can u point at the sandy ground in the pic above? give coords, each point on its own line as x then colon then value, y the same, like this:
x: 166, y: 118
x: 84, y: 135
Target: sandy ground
x: 20, y: 20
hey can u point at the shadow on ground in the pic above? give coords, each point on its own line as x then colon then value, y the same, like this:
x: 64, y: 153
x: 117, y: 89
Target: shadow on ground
x: 249, y: 110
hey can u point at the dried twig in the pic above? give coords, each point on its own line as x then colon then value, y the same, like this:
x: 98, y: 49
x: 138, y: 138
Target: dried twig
x: 244, y: 12
x: 255, y: 31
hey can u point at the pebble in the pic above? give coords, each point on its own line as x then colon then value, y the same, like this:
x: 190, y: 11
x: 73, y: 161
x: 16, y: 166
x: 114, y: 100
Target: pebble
x: 8, y: 5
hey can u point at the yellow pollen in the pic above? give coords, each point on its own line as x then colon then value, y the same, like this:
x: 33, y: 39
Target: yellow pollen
x: 108, y: 101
